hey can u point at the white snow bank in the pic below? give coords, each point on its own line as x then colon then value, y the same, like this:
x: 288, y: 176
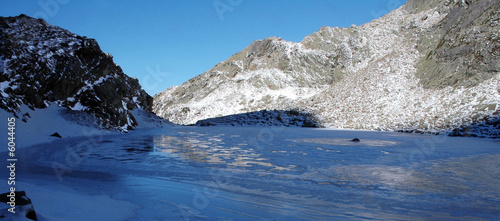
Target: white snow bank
x: 41, y: 123
x: 75, y: 205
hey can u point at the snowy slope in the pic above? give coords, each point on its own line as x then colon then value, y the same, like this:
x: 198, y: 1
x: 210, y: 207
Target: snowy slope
x: 390, y: 74
x: 36, y: 126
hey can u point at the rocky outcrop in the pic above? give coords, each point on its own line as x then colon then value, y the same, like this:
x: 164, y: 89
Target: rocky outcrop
x: 291, y: 118
x: 42, y: 64
x: 16, y: 206
x: 429, y: 66
x: 464, y: 48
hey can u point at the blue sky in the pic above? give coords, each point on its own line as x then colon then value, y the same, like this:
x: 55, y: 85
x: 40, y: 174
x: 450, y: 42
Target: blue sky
x: 165, y: 43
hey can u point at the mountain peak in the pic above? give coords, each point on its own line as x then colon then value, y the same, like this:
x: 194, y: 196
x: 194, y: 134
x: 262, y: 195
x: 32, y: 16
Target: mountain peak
x: 43, y: 64
x: 399, y: 72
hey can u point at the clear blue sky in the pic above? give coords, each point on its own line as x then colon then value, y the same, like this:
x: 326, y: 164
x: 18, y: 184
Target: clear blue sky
x: 165, y: 43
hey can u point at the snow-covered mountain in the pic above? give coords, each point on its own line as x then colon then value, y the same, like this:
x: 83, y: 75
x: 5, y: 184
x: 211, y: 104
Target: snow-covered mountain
x: 427, y: 66
x: 41, y: 64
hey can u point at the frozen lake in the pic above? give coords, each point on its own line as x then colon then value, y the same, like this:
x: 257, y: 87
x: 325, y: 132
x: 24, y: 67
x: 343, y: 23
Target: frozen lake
x: 262, y: 173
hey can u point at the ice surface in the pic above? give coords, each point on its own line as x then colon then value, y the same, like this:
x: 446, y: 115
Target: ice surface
x: 254, y: 173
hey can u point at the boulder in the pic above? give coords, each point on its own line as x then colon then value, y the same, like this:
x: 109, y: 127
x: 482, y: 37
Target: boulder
x: 21, y: 210
x: 56, y: 135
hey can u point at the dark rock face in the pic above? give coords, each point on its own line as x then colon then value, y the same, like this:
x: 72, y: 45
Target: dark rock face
x: 23, y: 208
x: 56, y: 135
x: 41, y: 63
x: 488, y: 128
x: 468, y: 51
x: 291, y: 118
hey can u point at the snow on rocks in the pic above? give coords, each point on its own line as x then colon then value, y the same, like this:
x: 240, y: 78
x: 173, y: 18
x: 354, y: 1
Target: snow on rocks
x: 16, y: 206
x: 291, y: 118
x: 42, y: 64
x: 364, y: 77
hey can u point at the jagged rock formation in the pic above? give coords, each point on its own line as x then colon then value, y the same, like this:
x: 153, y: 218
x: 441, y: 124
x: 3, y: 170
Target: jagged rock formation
x: 428, y: 66
x: 16, y: 206
x: 467, y: 48
x: 291, y: 118
x: 41, y: 63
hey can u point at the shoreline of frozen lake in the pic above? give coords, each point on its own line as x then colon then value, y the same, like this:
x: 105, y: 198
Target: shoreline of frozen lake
x: 262, y: 173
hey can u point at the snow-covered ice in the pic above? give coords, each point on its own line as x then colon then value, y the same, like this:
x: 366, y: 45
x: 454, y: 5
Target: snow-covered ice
x: 261, y: 173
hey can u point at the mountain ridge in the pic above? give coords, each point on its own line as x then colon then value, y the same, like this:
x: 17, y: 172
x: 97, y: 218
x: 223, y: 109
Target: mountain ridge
x: 44, y: 64
x: 390, y: 74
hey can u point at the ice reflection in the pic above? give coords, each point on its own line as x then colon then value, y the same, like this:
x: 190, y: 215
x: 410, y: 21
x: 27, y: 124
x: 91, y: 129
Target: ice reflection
x: 213, y: 150
x: 299, y: 174
x: 379, y: 175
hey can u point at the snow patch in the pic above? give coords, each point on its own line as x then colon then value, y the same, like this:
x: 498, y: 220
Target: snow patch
x: 77, y: 204
x: 78, y: 107
x: 41, y: 123
x: 378, y: 90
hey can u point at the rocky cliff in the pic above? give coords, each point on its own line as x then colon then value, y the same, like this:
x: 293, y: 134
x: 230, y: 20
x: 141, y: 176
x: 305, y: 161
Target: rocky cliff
x: 42, y: 64
x: 428, y: 66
